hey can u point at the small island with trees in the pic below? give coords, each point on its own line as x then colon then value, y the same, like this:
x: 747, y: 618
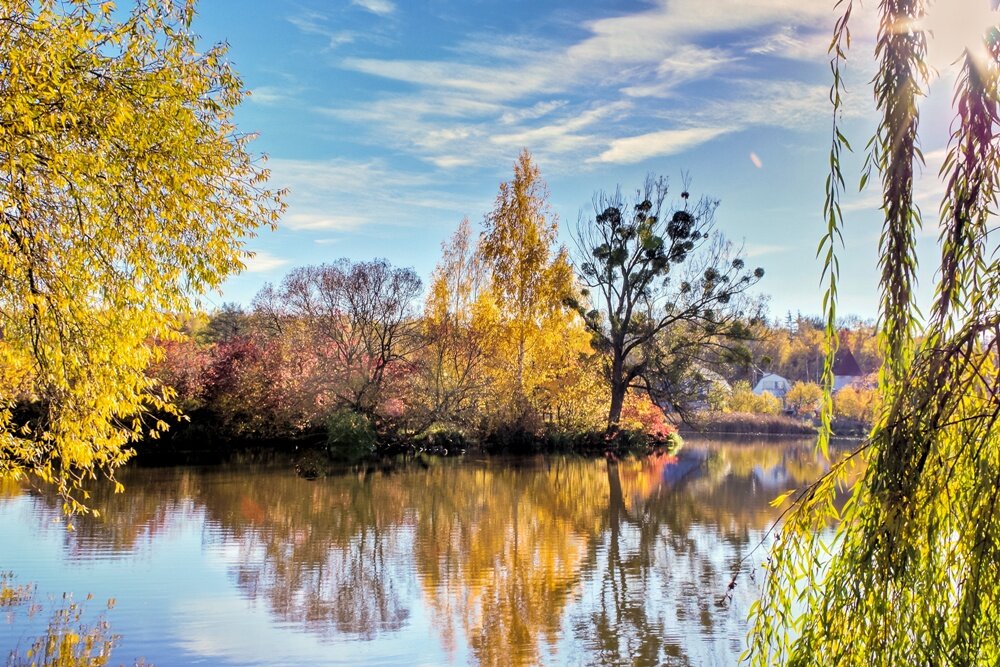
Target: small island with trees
x: 518, y: 345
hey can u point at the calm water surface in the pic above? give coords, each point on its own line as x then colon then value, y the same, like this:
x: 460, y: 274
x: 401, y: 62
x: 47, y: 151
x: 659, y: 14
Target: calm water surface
x: 546, y: 561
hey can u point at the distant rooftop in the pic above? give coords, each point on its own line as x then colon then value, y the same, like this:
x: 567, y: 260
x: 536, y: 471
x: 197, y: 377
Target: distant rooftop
x: 844, y: 363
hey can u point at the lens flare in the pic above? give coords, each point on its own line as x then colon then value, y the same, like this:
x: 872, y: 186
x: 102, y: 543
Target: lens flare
x: 954, y: 26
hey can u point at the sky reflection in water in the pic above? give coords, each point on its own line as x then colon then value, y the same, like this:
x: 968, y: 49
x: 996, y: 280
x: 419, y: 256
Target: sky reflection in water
x: 551, y: 560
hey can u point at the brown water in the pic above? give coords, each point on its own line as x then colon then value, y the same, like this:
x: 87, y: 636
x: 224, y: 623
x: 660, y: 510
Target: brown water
x: 546, y: 561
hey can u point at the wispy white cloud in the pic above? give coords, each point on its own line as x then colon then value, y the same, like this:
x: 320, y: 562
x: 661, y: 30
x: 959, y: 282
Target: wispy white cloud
x: 262, y: 261
x: 427, y: 104
x: 533, y: 112
x: 687, y: 63
x: 658, y: 42
x: 784, y: 103
x: 312, y: 177
x: 630, y: 150
x: 793, y: 43
x: 268, y: 95
x: 314, y: 221
x: 309, y: 22
x: 755, y: 102
x: 380, y: 7
x: 452, y: 161
x: 563, y: 135
x: 487, y: 96
x: 654, y: 34
x: 869, y: 200
x: 347, y: 196
x: 476, y: 132
x: 491, y: 82
x: 316, y: 23
x: 752, y: 250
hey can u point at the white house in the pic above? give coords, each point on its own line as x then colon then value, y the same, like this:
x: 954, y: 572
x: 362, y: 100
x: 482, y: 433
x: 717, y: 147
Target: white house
x: 773, y: 384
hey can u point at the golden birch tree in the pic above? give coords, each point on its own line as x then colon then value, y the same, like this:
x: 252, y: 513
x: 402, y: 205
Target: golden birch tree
x: 460, y: 332
x: 530, y: 280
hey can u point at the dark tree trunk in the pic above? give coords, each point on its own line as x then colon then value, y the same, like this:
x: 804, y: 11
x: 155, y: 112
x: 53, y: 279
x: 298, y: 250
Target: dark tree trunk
x: 616, y: 500
x: 618, y: 390
x: 619, y: 386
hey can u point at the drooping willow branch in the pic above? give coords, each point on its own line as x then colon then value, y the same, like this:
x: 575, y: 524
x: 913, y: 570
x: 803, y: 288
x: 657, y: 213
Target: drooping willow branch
x: 972, y: 182
x: 907, y: 569
x: 833, y: 215
x: 901, y: 51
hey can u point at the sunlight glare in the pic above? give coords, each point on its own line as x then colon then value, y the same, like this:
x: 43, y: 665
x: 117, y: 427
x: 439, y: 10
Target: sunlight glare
x: 955, y: 25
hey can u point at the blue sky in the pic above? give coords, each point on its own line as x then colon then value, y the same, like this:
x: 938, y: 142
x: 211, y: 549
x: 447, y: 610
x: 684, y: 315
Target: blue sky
x: 390, y: 120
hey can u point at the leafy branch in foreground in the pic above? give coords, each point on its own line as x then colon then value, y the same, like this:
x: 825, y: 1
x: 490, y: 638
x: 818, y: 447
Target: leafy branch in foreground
x: 125, y: 189
x: 903, y: 565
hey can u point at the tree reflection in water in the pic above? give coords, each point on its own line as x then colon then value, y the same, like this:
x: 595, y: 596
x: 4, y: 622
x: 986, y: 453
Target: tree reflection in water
x: 550, y: 560
x: 329, y: 556
x: 500, y: 549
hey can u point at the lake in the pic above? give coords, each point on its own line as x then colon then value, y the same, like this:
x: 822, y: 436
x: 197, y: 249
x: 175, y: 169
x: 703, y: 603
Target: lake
x: 550, y: 560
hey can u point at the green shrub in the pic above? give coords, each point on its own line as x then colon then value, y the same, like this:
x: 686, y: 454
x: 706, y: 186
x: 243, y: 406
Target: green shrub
x: 349, y: 436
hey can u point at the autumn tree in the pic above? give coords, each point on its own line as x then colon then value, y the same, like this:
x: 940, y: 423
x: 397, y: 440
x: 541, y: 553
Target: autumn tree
x: 361, y: 322
x: 794, y: 351
x: 530, y: 279
x: 805, y: 398
x: 460, y: 331
x: 795, y: 348
x: 183, y: 366
x: 856, y: 404
x: 687, y: 358
x: 126, y: 190
x: 742, y: 399
x: 227, y: 322
x: 631, y: 259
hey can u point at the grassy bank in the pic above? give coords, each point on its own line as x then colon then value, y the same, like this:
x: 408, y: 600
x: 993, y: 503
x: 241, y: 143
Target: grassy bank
x: 746, y: 423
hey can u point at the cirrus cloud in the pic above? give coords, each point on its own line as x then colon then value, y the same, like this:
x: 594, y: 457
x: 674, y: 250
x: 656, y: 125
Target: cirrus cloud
x: 630, y: 150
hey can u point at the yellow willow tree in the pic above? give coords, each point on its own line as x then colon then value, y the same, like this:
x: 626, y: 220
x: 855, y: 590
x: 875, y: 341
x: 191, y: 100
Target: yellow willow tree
x: 125, y: 189
x: 910, y: 573
x: 530, y: 280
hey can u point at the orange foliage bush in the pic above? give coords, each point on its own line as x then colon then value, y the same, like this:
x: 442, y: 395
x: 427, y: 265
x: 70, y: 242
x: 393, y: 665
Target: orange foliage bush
x: 639, y: 413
